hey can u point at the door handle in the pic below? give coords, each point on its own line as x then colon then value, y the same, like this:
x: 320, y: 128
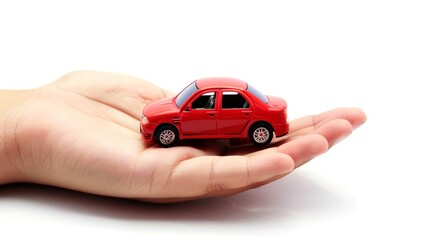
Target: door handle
x: 246, y: 113
x: 211, y: 114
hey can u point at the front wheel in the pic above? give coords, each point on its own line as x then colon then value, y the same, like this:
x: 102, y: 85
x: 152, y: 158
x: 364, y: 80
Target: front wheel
x: 166, y: 136
x: 261, y: 134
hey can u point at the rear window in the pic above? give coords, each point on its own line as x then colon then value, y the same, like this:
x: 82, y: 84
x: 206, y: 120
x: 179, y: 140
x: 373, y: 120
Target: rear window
x: 257, y: 93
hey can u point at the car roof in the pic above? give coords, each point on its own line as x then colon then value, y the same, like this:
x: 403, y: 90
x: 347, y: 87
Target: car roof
x: 221, y: 82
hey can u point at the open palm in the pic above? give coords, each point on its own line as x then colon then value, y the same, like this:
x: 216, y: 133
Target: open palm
x: 82, y: 132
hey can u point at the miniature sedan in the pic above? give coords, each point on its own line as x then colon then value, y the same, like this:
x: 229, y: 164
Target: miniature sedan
x: 215, y: 108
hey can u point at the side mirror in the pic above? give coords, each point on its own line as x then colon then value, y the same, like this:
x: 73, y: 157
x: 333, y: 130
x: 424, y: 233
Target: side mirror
x: 187, y: 108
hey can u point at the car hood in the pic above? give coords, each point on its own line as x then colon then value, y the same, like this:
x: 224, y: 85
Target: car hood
x: 277, y: 102
x: 163, y: 106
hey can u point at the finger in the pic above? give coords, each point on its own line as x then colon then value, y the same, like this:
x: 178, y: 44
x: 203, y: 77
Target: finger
x: 301, y: 150
x: 125, y: 93
x: 354, y: 115
x: 305, y: 148
x: 334, y: 131
x: 269, y: 165
x: 252, y: 150
x: 306, y: 125
x: 216, y: 176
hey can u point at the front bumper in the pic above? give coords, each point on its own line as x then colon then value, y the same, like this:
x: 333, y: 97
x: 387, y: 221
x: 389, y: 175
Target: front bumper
x: 147, y: 131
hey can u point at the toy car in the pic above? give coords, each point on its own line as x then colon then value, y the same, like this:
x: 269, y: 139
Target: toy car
x: 215, y: 108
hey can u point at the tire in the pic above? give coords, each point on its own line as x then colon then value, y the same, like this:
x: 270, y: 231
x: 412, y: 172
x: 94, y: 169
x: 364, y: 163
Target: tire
x: 166, y: 136
x: 261, y: 134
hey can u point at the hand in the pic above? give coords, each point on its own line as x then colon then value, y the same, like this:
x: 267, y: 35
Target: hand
x: 82, y: 132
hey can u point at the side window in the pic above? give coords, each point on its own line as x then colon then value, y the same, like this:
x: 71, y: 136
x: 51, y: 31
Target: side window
x: 233, y: 100
x: 205, y: 101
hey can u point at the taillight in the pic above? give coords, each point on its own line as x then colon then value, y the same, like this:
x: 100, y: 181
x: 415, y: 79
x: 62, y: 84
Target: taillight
x: 285, y: 115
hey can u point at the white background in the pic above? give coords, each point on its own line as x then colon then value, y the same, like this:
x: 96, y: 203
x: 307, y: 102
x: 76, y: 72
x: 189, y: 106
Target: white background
x: 317, y: 55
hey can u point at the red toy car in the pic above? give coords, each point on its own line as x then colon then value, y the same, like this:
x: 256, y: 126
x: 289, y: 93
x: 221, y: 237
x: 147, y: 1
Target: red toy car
x: 215, y: 108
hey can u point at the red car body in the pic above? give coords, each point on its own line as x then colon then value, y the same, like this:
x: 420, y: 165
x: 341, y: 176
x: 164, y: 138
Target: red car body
x: 215, y: 108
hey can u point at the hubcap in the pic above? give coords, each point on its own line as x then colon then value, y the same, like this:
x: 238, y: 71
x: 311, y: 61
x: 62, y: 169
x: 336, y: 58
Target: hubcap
x: 167, y: 137
x: 260, y: 135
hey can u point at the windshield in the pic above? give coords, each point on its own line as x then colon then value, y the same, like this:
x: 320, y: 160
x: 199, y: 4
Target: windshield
x: 185, y: 94
x: 257, y: 93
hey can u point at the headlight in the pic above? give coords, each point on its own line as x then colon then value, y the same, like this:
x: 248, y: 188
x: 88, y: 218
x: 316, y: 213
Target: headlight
x: 144, y: 119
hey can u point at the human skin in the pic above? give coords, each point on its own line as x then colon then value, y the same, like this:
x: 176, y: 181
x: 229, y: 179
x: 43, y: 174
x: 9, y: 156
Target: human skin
x: 81, y: 132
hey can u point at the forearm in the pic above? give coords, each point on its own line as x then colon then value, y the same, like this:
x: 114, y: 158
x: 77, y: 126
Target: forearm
x: 10, y: 106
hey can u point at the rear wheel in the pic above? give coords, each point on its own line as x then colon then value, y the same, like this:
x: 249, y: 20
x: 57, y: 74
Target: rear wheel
x: 261, y: 134
x: 166, y: 136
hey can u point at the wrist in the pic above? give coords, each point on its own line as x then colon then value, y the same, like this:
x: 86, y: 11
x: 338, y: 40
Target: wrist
x: 11, y: 103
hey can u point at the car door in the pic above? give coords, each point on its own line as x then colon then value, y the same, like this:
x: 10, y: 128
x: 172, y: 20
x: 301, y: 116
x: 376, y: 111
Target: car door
x: 200, y: 115
x: 235, y: 112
